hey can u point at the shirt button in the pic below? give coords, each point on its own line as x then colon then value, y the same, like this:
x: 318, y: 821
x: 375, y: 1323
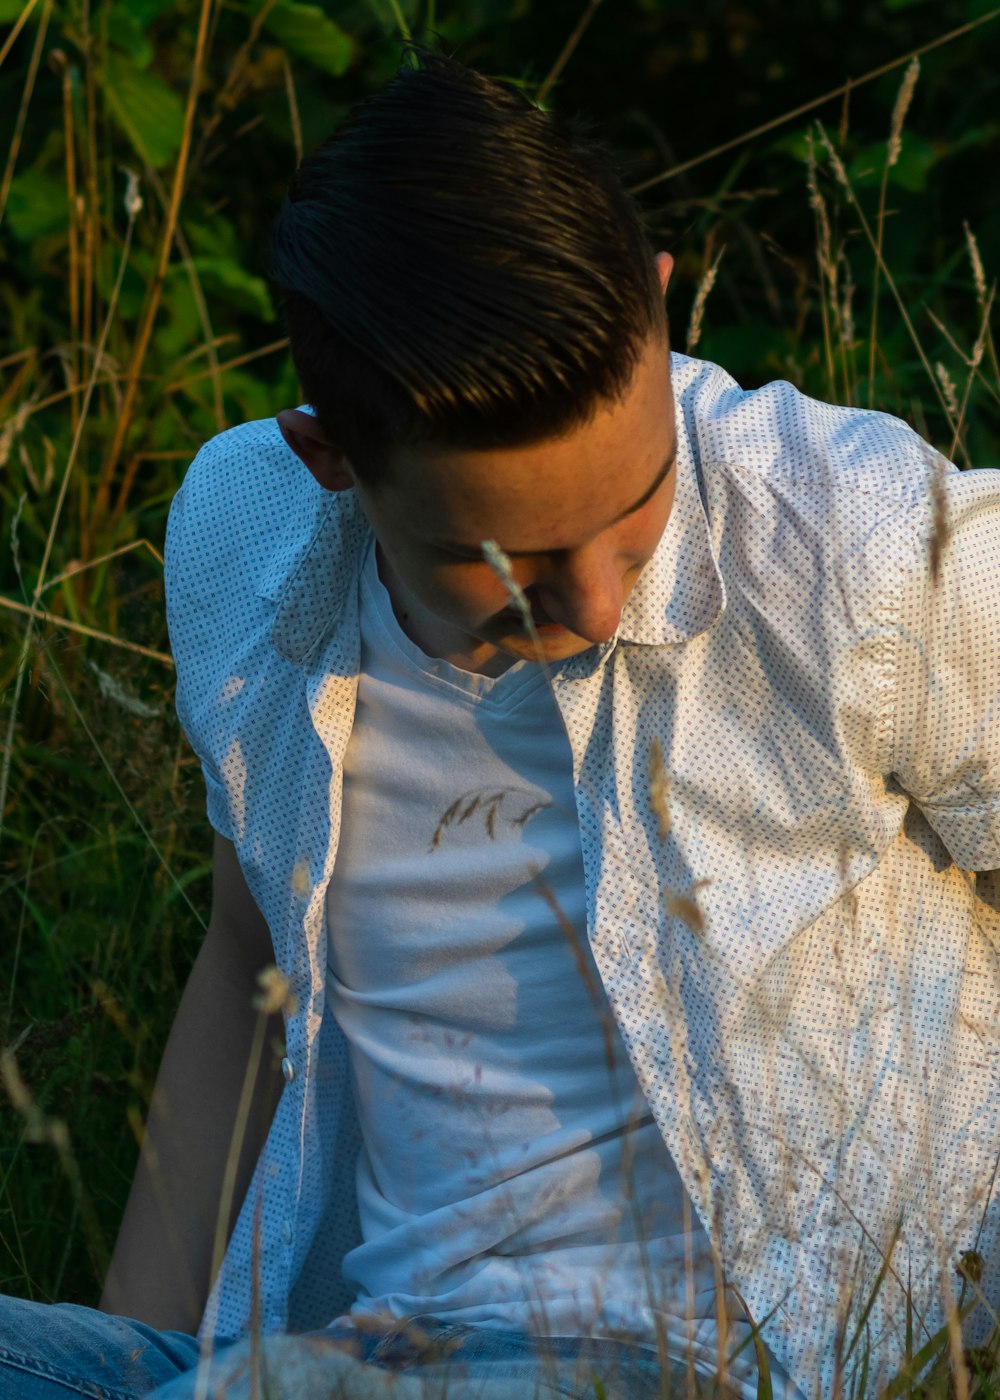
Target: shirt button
x: 286, y: 1231
x: 288, y: 1070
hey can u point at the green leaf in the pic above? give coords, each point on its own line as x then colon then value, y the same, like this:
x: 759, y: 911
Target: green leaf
x: 916, y: 157
x: 149, y: 112
x: 915, y: 160
x: 310, y: 34
x: 125, y: 32
x: 231, y: 283
x: 36, y: 206
x: 145, y: 11
x: 10, y: 10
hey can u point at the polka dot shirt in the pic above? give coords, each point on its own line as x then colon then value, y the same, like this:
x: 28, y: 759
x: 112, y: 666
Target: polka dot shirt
x: 787, y: 769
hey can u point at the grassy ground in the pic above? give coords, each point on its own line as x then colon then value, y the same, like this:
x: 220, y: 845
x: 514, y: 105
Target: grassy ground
x: 137, y: 325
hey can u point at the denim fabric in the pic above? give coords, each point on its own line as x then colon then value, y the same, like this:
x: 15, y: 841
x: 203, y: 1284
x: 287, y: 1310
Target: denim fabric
x: 51, y: 1351
x: 56, y: 1351
x: 551, y: 1366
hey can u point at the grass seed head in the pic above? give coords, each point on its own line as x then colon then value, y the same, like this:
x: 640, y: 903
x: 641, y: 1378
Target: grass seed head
x: 275, y: 994
x: 978, y: 274
x: 701, y: 297
x: 947, y: 388
x: 903, y: 99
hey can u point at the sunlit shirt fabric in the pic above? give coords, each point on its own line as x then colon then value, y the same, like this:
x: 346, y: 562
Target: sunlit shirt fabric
x: 509, y: 1178
x: 802, y: 960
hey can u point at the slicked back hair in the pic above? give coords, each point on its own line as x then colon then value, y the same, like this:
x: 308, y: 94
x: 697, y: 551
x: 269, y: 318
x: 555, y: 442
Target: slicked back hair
x: 460, y: 269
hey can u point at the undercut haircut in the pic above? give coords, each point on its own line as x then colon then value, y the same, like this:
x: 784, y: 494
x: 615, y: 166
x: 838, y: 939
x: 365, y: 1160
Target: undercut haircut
x: 459, y: 269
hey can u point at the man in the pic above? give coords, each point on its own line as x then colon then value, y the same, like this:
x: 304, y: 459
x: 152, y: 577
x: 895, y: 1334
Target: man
x: 609, y: 760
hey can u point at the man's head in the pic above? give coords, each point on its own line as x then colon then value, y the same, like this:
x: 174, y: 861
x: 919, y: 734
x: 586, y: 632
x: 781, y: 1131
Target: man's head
x: 476, y: 316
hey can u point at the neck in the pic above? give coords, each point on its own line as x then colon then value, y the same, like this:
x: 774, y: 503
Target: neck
x: 436, y: 638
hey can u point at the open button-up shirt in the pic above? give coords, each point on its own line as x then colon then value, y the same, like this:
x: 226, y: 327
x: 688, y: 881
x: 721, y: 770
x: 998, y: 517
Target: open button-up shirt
x: 787, y: 769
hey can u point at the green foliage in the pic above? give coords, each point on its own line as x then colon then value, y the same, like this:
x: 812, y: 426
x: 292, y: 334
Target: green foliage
x: 308, y: 33
x: 149, y: 112
x: 103, y: 874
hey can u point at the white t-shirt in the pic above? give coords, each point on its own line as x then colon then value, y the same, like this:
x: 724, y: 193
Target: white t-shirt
x: 508, y: 1178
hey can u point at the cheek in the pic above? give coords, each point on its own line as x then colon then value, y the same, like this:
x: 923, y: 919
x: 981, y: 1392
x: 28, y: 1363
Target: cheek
x: 471, y: 593
x: 648, y: 527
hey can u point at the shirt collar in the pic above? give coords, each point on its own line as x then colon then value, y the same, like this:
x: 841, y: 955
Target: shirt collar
x: 680, y: 592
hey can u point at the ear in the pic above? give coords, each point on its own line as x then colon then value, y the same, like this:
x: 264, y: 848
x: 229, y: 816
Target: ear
x: 664, y: 265
x: 305, y: 436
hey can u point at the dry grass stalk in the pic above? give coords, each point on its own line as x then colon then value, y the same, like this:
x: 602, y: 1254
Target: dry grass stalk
x: 685, y: 908
x: 293, y: 108
x: 42, y: 1129
x: 275, y: 992
x: 593, y: 987
x: 275, y: 996
x: 979, y: 282
x: 815, y: 103
x: 975, y: 361
x: 978, y: 274
x: 895, y: 145
x: 58, y: 59
x: 659, y: 788
x: 77, y: 568
x: 19, y: 24
x: 847, y: 303
x: 145, y: 331
x: 97, y: 516
x: 34, y: 610
x: 700, y: 298
x: 501, y: 565
x: 91, y: 211
x: 564, y: 56
x: 965, y: 357
x: 41, y: 615
x: 947, y: 387
x: 22, y: 114
x: 940, y: 528
x: 837, y: 165
x: 824, y: 257
x: 244, y: 359
x: 845, y: 326
x: 903, y: 99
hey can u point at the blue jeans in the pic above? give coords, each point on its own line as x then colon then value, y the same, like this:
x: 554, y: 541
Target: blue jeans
x: 57, y: 1351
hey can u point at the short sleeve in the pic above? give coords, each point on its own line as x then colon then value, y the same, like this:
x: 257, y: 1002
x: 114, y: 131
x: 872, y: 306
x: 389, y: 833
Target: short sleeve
x: 217, y: 801
x: 946, y: 748
x: 185, y: 627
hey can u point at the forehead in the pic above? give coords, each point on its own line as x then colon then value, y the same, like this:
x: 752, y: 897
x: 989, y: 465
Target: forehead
x: 550, y: 495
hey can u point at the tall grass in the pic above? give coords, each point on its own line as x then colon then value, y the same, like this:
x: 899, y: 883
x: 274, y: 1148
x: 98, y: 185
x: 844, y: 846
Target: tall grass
x: 138, y: 324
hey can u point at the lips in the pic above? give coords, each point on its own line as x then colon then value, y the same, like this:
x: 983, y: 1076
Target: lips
x: 542, y: 622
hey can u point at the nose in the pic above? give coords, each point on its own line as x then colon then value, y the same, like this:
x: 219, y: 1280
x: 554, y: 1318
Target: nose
x: 583, y: 590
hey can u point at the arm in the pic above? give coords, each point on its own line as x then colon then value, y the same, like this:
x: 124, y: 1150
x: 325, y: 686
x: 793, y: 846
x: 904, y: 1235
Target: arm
x: 160, y: 1268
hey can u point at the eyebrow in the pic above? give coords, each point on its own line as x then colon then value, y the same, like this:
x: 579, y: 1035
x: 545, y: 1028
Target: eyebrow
x: 646, y: 496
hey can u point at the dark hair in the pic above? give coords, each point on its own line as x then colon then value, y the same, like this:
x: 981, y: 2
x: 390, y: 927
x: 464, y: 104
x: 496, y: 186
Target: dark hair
x: 458, y: 268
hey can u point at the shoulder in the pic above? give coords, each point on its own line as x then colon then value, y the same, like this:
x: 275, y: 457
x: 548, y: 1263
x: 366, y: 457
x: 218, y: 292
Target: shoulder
x: 777, y: 439
x: 246, y: 517
x: 245, y: 498
x: 783, y: 457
